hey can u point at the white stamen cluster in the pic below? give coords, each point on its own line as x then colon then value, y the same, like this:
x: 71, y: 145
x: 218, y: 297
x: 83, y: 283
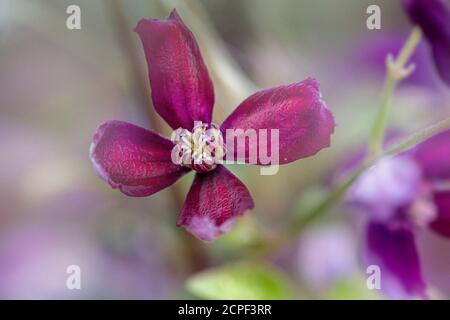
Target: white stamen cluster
x: 200, y: 149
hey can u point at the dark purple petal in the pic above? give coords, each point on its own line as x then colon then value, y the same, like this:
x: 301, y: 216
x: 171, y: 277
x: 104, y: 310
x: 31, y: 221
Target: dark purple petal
x: 393, y: 249
x: 213, y: 203
x: 304, y: 122
x: 433, y: 17
x: 133, y: 159
x: 442, y: 223
x: 433, y: 155
x: 182, y: 91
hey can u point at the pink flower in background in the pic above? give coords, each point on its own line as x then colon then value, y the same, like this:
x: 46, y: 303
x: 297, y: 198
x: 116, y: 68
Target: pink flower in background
x: 400, y: 196
x: 326, y: 255
x: 433, y: 17
x: 139, y: 163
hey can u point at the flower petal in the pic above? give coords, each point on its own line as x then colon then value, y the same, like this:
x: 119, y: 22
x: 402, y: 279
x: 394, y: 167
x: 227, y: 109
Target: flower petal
x: 182, y: 90
x: 433, y: 17
x: 213, y: 203
x: 393, y: 249
x: 391, y: 183
x: 133, y: 159
x: 304, y: 122
x: 433, y: 155
x: 442, y: 223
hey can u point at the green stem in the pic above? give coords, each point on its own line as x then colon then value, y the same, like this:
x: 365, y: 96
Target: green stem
x: 339, y: 191
x: 379, y: 127
x: 333, y: 197
x: 409, y: 47
x: 396, y: 70
x: 418, y: 137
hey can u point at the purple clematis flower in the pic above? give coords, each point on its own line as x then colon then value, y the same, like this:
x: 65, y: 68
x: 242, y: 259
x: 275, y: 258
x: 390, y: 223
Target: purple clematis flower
x: 401, y: 195
x: 139, y: 162
x: 433, y: 17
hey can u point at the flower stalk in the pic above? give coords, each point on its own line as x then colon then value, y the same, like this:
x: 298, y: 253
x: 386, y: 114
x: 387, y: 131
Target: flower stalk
x: 418, y: 137
x: 397, y: 69
x: 340, y: 190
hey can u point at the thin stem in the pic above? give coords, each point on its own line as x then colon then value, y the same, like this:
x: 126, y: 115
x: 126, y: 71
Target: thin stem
x: 339, y: 191
x: 409, y: 47
x: 396, y: 71
x: 276, y: 243
x: 418, y: 137
x: 333, y: 197
x: 379, y: 127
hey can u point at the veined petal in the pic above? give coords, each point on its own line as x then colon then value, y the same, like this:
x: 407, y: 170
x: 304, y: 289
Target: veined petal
x: 182, y: 90
x: 433, y: 17
x: 393, y: 249
x: 433, y: 155
x: 135, y: 160
x: 213, y: 203
x: 442, y: 223
x: 303, y: 121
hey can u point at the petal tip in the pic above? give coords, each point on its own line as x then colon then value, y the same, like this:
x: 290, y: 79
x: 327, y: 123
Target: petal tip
x: 174, y: 15
x: 100, y: 171
x: 205, y: 229
x: 313, y: 82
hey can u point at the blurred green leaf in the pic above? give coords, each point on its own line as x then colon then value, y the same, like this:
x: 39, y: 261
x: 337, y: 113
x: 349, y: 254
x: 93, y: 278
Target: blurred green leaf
x: 246, y: 236
x: 244, y: 280
x: 309, y: 198
x: 352, y: 289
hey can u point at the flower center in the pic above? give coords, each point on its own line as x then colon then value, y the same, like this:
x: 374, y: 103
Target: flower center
x: 202, y: 149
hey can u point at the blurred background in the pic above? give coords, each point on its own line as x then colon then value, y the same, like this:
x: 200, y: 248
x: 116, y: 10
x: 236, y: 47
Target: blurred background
x: 57, y: 85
